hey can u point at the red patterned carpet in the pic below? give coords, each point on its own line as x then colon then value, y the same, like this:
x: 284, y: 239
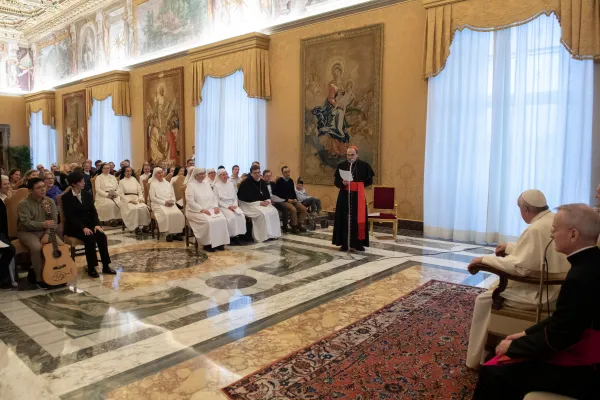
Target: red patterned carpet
x: 414, y: 348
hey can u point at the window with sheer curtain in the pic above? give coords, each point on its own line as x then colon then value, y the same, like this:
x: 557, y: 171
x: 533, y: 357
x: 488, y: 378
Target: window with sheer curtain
x: 230, y: 126
x: 109, y: 134
x: 511, y: 111
x: 43, y: 141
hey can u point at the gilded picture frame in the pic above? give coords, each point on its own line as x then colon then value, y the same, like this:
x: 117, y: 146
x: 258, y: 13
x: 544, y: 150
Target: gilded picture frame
x: 340, y: 80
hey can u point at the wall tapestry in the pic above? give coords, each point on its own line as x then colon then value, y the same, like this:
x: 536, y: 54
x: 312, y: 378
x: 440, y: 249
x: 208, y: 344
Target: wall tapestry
x: 163, y: 112
x: 75, y: 127
x: 340, y: 105
x: 162, y: 23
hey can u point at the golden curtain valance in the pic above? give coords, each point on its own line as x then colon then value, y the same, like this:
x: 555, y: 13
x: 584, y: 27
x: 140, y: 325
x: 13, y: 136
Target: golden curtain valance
x: 250, y: 53
x: 579, y: 20
x: 41, y: 101
x: 115, y: 84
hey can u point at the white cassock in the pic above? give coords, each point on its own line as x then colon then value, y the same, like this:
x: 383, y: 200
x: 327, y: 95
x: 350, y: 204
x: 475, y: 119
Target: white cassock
x: 236, y: 182
x: 524, y: 258
x: 265, y: 220
x: 227, y: 196
x: 108, y: 209
x: 134, y: 215
x: 208, y: 230
x: 210, y: 182
x: 144, y: 177
x: 170, y: 219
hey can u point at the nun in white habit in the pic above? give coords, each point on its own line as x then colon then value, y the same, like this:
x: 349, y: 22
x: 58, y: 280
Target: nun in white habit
x: 202, y: 211
x: 228, y: 204
x: 211, y: 179
x: 134, y: 212
x: 162, y: 197
x: 107, y: 198
x: 524, y: 258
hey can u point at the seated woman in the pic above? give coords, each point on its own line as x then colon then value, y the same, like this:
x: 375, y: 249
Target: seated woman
x: 107, y: 198
x: 32, y: 173
x: 14, y: 177
x: 146, y: 173
x: 134, y: 212
x: 52, y: 190
x: 81, y: 222
x: 162, y: 200
x: 5, y: 189
x: 178, y: 174
x: 202, y: 211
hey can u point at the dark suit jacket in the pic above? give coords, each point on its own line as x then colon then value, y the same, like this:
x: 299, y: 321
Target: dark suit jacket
x: 79, y: 215
x: 577, y: 309
x: 60, y: 180
x: 285, y: 189
x: 3, y: 219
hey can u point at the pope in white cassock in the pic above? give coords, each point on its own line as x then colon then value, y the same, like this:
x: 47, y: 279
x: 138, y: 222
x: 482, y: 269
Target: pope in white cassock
x: 228, y: 204
x: 134, y: 212
x: 524, y: 258
x: 107, y: 198
x: 255, y: 202
x: 162, y: 199
x: 202, y: 211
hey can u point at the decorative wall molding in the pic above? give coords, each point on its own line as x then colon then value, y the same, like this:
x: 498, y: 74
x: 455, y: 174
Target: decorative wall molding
x: 253, y: 40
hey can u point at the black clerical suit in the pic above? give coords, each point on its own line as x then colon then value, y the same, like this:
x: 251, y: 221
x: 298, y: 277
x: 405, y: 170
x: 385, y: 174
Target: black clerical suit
x: 361, y: 172
x: 7, y: 253
x: 577, y: 310
x: 80, y: 215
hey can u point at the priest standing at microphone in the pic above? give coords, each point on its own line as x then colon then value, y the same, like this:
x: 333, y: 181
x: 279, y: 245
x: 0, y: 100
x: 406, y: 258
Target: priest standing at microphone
x: 362, y: 177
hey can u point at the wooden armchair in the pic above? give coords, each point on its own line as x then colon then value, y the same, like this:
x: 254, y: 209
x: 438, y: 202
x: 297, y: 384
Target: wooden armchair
x: 12, y: 213
x: 153, y: 221
x: 384, y: 208
x: 506, y: 320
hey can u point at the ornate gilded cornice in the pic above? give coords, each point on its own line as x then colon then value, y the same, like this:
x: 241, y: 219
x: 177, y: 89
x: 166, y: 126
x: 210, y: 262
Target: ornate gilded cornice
x: 253, y: 40
x: 113, y: 76
x: 43, y: 95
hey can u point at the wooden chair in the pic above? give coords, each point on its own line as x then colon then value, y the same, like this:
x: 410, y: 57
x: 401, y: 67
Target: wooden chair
x: 71, y: 241
x: 93, y: 182
x: 12, y: 213
x: 384, y: 208
x: 188, y: 229
x: 506, y: 320
x: 168, y: 177
x: 153, y: 221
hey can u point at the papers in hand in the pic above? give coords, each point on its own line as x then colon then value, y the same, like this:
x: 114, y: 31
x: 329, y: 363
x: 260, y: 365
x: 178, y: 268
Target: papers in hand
x: 346, y: 175
x: 213, y: 213
x: 276, y: 199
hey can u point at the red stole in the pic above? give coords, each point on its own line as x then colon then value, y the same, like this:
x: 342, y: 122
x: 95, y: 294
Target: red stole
x: 359, y: 187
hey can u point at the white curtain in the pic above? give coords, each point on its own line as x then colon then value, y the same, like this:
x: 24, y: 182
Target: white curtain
x: 511, y: 111
x: 109, y: 134
x: 42, y: 141
x: 230, y: 127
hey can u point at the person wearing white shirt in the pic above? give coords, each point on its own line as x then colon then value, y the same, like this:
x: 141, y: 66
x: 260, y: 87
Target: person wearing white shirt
x: 162, y: 200
x: 146, y: 173
x: 134, y: 212
x: 211, y: 177
x: 107, y: 198
x: 235, y: 178
x: 524, y: 258
x: 228, y: 204
x: 203, y: 214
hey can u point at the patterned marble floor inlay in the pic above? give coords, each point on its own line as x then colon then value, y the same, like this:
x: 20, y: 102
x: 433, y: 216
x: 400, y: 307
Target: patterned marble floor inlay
x: 231, y: 282
x: 160, y: 329
x: 158, y: 260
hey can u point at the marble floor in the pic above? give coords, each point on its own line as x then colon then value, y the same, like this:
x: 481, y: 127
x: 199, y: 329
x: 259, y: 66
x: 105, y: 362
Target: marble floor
x: 179, y: 324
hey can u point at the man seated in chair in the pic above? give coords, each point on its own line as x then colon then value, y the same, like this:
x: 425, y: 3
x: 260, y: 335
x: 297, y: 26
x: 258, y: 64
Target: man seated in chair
x: 33, y: 224
x: 560, y: 354
x: 524, y: 258
x: 81, y: 222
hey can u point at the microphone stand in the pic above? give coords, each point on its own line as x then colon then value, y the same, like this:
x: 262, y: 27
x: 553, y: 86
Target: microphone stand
x: 349, y: 208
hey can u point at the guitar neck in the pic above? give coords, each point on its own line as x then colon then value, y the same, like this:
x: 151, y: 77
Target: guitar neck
x: 51, y: 231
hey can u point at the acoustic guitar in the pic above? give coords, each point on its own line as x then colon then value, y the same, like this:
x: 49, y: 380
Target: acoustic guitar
x: 59, y: 268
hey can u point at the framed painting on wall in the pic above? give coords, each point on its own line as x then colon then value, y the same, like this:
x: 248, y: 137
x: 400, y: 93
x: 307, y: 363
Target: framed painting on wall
x: 164, y: 118
x: 75, y: 127
x: 340, y: 101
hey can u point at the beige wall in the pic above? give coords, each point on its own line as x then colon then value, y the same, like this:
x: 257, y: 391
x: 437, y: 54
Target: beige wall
x: 403, y: 101
x: 12, y: 112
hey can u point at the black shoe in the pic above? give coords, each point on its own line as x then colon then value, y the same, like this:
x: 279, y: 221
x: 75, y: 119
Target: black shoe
x: 295, y: 229
x: 344, y: 248
x: 209, y: 249
x: 30, y: 286
x: 138, y: 231
x: 360, y: 248
x: 235, y: 241
x: 92, y: 273
x: 220, y: 248
x: 6, y: 286
x: 108, y: 271
x: 44, y: 285
x: 169, y: 238
x: 301, y: 228
x: 146, y: 229
x: 285, y: 228
x: 178, y: 237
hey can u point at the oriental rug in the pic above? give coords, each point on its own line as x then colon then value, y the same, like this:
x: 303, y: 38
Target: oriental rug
x: 413, y: 348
